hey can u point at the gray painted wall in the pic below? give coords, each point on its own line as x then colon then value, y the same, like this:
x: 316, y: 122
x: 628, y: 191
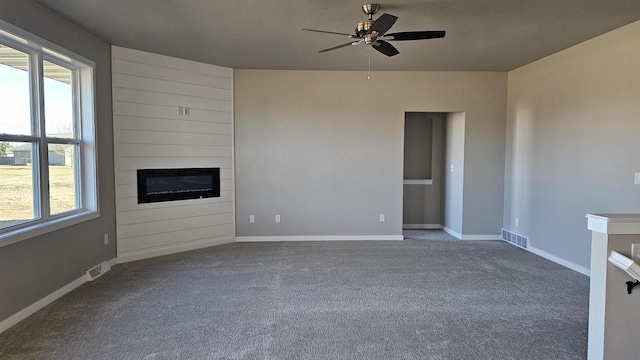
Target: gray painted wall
x: 423, y: 159
x: 34, y: 268
x: 454, y: 178
x: 312, y: 147
x: 572, y: 142
x: 418, y: 145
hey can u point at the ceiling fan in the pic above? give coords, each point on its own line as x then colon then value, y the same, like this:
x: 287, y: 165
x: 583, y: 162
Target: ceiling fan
x: 374, y: 32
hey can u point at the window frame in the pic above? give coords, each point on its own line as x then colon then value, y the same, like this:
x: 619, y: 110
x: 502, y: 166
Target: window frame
x: 84, y: 137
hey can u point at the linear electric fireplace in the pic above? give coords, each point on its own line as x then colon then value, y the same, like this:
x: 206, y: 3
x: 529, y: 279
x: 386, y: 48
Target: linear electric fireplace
x: 156, y: 185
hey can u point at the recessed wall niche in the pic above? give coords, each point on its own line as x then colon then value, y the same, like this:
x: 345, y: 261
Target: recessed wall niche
x: 423, y: 169
x: 418, y: 146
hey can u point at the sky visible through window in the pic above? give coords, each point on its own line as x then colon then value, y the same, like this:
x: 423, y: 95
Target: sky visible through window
x: 15, y: 113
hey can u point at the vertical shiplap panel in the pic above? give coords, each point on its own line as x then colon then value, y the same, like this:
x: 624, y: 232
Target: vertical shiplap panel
x: 149, y: 133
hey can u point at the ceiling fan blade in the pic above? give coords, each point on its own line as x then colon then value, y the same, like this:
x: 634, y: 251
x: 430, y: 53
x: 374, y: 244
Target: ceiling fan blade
x: 341, y: 46
x: 331, y: 32
x: 383, y: 24
x: 385, y: 48
x: 414, y: 35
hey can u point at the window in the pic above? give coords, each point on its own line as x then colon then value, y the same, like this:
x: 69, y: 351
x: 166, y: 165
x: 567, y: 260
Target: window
x: 47, y: 143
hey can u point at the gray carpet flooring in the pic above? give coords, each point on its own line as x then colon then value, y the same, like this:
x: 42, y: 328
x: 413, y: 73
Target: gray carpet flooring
x: 411, y: 299
x: 433, y: 235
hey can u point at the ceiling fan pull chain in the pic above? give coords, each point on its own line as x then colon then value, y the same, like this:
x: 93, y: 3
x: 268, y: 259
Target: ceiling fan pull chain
x: 369, y: 76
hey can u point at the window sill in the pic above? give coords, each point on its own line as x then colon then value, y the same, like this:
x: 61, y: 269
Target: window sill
x: 418, y: 182
x: 37, y: 229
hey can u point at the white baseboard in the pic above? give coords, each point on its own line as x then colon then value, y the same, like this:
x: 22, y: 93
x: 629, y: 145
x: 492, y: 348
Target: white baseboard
x: 421, y: 226
x: 113, y: 262
x: 560, y: 261
x: 318, y: 238
x: 481, y: 237
x: 171, y: 249
x: 451, y: 232
x: 33, y: 308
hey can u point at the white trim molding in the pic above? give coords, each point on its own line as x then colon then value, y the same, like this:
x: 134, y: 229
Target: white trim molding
x: 171, y: 249
x: 421, y: 226
x: 37, y: 229
x: 617, y: 224
x: 451, y: 232
x: 481, y: 237
x: 560, y: 261
x: 33, y: 308
x: 318, y: 238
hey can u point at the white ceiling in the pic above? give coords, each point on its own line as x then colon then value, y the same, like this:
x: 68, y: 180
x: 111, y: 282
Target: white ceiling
x: 482, y: 35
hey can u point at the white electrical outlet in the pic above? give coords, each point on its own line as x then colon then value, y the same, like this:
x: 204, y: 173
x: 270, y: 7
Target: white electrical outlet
x: 180, y: 110
x: 635, y: 251
x: 277, y: 218
x: 252, y: 219
x: 106, y: 239
x: 637, y: 179
x: 517, y: 222
x: 187, y: 111
x: 451, y: 169
x: 381, y: 217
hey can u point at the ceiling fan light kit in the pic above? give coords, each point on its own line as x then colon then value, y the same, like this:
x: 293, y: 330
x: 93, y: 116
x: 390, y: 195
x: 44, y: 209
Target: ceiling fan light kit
x: 374, y: 32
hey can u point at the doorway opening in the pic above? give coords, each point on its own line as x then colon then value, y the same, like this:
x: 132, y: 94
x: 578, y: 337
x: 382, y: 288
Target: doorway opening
x: 433, y: 172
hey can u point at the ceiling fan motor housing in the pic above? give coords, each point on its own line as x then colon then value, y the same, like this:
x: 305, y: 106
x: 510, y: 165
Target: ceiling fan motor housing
x: 362, y: 28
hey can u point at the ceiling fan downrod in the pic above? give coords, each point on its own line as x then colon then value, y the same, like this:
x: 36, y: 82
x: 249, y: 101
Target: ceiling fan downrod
x: 362, y: 28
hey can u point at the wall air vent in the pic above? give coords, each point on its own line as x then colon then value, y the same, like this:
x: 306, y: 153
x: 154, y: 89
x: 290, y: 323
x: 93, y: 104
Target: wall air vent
x: 97, y: 271
x: 515, y: 239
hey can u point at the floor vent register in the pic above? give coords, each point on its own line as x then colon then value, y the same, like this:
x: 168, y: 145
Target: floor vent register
x: 515, y: 239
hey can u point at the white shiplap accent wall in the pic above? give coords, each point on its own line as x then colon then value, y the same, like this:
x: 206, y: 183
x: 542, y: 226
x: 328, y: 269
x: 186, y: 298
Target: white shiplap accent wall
x: 149, y: 133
